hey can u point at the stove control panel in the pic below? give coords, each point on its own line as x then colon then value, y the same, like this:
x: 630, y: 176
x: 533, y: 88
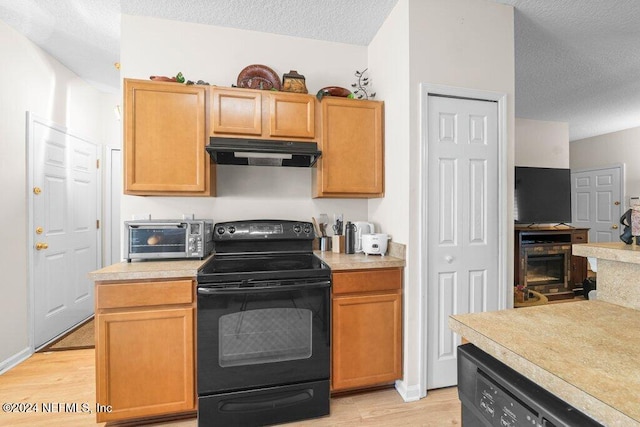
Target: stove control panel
x: 264, y: 230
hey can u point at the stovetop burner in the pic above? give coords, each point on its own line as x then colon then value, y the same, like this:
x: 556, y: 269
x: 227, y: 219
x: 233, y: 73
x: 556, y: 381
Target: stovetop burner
x: 262, y: 267
x: 263, y: 250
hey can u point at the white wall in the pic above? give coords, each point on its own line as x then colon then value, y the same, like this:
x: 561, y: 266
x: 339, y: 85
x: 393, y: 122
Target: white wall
x: 389, y: 77
x: 462, y: 43
x: 622, y: 147
x: 216, y: 55
x: 31, y: 80
x: 542, y: 144
x: 390, y: 72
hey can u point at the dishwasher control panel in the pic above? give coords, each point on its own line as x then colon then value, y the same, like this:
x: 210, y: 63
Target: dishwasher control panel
x: 499, y: 407
x: 495, y: 395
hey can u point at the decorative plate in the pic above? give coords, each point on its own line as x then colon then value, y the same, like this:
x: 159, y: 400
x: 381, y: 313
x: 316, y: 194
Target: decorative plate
x: 333, y: 91
x: 258, y: 76
x: 162, y: 79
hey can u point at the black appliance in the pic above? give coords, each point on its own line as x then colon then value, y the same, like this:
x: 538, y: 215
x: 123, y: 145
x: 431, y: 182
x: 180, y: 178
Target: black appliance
x: 263, y: 326
x: 256, y: 152
x: 542, y: 195
x: 493, y: 394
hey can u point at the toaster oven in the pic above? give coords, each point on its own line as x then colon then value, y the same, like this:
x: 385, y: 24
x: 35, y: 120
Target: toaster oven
x: 164, y: 239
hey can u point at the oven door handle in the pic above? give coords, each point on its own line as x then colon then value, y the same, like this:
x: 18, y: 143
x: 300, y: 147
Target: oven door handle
x: 202, y: 290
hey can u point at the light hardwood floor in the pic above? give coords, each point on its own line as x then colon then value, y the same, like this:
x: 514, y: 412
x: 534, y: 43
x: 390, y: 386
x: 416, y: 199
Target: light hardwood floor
x: 68, y: 377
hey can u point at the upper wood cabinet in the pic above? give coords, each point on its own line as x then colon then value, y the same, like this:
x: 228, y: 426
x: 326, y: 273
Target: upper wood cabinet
x: 351, y: 142
x: 165, y: 134
x: 262, y: 114
x: 236, y: 112
x: 291, y: 115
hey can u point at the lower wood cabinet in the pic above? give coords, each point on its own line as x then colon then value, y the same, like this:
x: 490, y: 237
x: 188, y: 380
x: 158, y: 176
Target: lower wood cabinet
x: 145, y: 359
x: 367, y: 328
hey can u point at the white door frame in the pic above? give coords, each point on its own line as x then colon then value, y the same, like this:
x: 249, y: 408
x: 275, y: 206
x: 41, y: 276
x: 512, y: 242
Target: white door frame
x: 31, y: 119
x: 505, y: 299
x: 109, y: 225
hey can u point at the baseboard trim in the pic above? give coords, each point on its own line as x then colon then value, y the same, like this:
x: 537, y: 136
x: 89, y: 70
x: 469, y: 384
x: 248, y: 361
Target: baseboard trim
x: 14, y: 360
x: 408, y: 393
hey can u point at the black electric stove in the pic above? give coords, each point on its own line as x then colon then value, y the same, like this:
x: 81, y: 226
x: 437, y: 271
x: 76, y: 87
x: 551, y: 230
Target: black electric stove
x: 251, y: 267
x: 264, y: 326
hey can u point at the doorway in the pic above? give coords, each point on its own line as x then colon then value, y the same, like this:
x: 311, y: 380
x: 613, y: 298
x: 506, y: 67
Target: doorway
x: 63, y: 235
x: 463, y: 218
x: 596, y: 196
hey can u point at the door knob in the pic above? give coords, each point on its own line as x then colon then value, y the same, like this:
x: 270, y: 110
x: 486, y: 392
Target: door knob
x: 614, y: 226
x: 449, y: 259
x: 40, y: 246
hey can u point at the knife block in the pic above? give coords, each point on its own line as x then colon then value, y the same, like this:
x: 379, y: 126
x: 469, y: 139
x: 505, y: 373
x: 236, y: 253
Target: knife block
x: 337, y: 244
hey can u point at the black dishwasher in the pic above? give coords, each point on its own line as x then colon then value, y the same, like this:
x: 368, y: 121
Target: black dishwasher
x: 493, y: 394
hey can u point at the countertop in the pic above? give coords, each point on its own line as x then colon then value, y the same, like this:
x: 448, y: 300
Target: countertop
x: 143, y: 270
x: 341, y: 261
x: 585, y: 352
x: 612, y: 251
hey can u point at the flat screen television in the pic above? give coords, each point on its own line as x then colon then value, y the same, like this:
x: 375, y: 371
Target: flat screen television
x: 542, y: 195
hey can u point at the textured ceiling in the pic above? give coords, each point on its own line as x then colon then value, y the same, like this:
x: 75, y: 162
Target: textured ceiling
x: 345, y: 21
x: 576, y: 60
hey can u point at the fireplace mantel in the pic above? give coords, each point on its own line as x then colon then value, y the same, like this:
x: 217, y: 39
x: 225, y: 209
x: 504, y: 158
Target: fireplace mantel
x: 618, y: 271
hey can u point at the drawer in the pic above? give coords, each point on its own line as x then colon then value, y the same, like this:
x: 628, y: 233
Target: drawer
x: 580, y: 236
x: 367, y: 280
x: 143, y: 294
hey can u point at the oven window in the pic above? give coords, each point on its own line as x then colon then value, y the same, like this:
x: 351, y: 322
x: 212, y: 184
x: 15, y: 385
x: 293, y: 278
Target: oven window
x: 148, y: 240
x: 264, y: 336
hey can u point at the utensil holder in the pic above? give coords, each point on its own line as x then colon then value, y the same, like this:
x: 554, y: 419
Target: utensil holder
x: 337, y: 244
x: 324, y: 243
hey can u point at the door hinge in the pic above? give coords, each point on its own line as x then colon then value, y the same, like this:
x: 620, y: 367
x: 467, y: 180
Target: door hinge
x: 98, y: 224
x: 97, y: 163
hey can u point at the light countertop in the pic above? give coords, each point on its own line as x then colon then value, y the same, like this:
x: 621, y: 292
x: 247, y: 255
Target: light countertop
x: 613, y: 251
x: 142, y: 270
x: 341, y: 261
x: 586, y: 352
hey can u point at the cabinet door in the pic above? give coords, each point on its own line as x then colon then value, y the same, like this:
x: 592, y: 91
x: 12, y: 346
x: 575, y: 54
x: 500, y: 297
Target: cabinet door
x: 578, y: 263
x: 165, y: 138
x: 236, y: 112
x: 145, y: 362
x: 351, y: 164
x: 291, y: 115
x: 367, y: 340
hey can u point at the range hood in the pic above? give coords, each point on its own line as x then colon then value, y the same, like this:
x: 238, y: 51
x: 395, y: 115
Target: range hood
x: 256, y: 152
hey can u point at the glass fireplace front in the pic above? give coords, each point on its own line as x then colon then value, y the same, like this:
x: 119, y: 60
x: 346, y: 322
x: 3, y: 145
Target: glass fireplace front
x: 547, y: 267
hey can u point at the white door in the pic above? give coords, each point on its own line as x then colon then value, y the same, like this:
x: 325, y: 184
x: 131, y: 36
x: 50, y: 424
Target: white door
x: 462, y: 225
x: 596, y: 200
x: 64, y: 231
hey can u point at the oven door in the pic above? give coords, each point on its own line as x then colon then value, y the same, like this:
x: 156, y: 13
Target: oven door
x: 268, y: 334
x: 161, y: 240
